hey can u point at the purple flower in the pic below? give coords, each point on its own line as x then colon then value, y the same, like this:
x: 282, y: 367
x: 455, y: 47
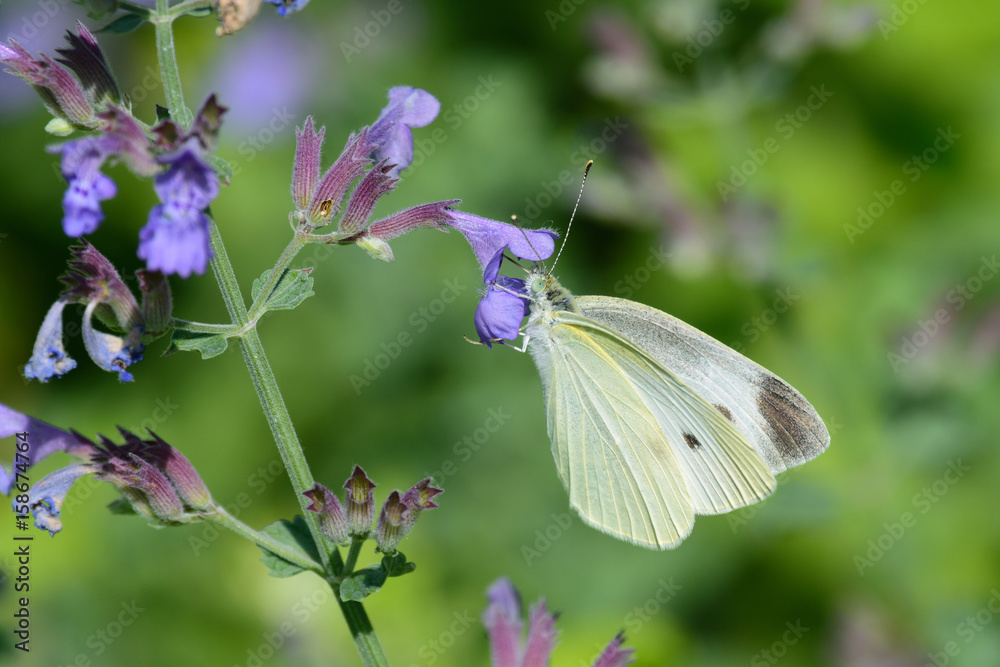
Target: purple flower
x: 499, y: 314
x: 156, y: 479
x: 332, y: 517
x: 286, y: 7
x: 93, y: 280
x: 48, y: 357
x: 502, y: 619
x: 43, y: 440
x: 399, y: 514
x: 360, y: 505
x: 176, y: 237
x: 122, y: 138
x: 408, y: 107
x: 489, y: 238
x: 87, y: 186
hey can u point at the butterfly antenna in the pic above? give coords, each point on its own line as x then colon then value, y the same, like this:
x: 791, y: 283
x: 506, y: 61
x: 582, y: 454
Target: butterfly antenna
x: 527, y: 240
x: 586, y: 170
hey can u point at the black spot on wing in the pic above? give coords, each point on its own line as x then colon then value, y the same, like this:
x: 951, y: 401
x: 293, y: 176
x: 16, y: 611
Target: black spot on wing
x: 725, y: 411
x: 792, y: 424
x: 691, y: 441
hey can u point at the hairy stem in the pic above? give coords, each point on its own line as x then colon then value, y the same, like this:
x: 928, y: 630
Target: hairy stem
x: 227, y: 520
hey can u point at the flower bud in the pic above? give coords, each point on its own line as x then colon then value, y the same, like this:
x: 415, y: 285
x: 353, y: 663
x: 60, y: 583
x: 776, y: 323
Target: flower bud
x: 360, y: 502
x: 332, y: 518
x: 393, y: 523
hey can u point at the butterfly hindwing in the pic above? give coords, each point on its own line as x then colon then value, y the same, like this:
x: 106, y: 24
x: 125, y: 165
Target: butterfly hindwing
x: 777, y: 419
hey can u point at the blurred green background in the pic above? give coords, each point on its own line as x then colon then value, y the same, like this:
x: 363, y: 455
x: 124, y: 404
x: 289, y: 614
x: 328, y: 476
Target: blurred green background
x: 811, y: 112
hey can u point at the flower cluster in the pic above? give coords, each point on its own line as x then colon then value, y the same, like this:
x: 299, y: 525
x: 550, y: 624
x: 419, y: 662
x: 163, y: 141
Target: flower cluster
x: 155, y: 479
x: 372, y: 158
x: 503, y: 622
x: 353, y: 519
x: 92, y: 281
x: 175, y: 239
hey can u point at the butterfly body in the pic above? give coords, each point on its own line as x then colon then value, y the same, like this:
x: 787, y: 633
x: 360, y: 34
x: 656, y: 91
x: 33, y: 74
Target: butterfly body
x: 652, y: 421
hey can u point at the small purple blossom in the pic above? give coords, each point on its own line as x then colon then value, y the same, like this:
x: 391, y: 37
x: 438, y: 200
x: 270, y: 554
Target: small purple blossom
x: 93, y: 280
x: 332, y: 516
x: 44, y: 439
x: 391, y: 136
x: 502, y: 619
x: 48, y: 357
x: 499, y: 314
x: 286, y: 7
x: 86, y: 185
x: 176, y: 237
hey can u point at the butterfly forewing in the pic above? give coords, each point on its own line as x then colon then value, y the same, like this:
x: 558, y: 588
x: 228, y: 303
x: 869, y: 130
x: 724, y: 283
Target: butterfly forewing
x: 777, y: 419
x: 621, y: 474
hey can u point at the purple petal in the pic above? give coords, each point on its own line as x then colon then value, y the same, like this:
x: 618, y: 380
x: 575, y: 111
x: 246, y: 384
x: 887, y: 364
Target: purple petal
x: 286, y: 7
x: 488, y: 237
x: 85, y: 58
x: 43, y: 439
x: 614, y: 655
x: 46, y: 497
x: 110, y: 352
x: 86, y: 185
x: 541, y: 637
x: 502, y: 619
x: 91, y: 277
x: 48, y: 357
x: 499, y: 313
x: 408, y: 107
x: 175, y: 240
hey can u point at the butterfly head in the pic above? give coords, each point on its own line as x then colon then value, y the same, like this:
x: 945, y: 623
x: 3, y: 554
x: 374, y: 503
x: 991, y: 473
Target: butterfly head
x: 545, y: 292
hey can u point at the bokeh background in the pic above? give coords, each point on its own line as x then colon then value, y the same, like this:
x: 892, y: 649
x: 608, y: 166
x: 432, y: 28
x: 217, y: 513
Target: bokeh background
x: 811, y: 182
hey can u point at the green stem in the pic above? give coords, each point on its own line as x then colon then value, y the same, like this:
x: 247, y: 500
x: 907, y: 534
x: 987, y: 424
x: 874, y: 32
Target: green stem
x: 163, y: 20
x: 265, y: 383
x: 201, y: 327
x: 188, y: 6
x: 365, y: 640
x: 352, y: 556
x: 225, y: 519
x: 287, y: 255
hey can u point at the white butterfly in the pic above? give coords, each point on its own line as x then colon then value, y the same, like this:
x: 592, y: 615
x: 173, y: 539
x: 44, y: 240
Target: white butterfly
x: 653, y: 421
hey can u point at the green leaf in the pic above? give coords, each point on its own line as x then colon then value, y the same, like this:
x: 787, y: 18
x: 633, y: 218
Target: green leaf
x: 209, y: 345
x: 295, y: 536
x: 121, y: 506
x: 123, y: 24
x: 395, y: 564
x: 294, y: 287
x: 360, y: 584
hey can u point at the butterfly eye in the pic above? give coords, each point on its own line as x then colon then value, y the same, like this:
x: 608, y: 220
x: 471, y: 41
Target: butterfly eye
x: 537, y: 285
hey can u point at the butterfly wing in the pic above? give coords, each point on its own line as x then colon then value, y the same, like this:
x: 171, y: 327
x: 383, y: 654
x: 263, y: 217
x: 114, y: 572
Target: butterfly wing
x: 638, y: 451
x: 775, y: 418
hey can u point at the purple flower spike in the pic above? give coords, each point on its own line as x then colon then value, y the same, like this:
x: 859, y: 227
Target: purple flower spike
x: 499, y: 313
x: 286, y: 7
x: 175, y: 240
x: 502, y: 619
x: 87, y: 186
x: 47, y: 496
x: 541, y: 636
x: 48, y: 357
x: 305, y: 172
x: 408, y: 107
x: 488, y: 237
x: 43, y: 439
x: 614, y: 655
x: 110, y: 352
